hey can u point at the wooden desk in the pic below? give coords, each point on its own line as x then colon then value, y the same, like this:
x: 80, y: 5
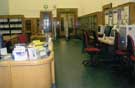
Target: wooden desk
x: 91, y: 37
x: 107, y: 40
x: 13, y: 38
x: 26, y: 74
x: 51, y: 47
x: 38, y: 37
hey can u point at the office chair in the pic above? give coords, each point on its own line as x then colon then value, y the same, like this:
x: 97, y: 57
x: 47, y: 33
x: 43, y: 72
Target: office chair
x: 131, y: 54
x: 118, y: 52
x: 87, y: 43
x: 8, y: 45
x: 90, y: 50
x: 22, y: 38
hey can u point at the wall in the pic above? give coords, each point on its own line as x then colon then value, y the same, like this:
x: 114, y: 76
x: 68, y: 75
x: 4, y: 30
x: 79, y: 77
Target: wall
x: 90, y: 6
x: 4, y: 7
x: 32, y: 8
x: 116, y: 2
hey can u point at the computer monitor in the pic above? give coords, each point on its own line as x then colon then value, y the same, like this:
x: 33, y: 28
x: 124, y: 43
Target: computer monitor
x: 99, y: 29
x: 107, y: 30
x: 112, y: 34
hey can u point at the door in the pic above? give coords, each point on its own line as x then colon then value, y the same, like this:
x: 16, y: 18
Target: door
x: 46, y: 21
x: 67, y: 24
x: 68, y: 21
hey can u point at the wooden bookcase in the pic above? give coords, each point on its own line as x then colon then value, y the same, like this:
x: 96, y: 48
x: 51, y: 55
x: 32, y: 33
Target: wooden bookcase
x: 90, y: 21
x: 11, y: 26
x: 32, y: 26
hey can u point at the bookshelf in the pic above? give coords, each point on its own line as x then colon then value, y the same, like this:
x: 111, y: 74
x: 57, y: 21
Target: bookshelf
x: 11, y: 24
x: 91, y: 21
x: 32, y: 26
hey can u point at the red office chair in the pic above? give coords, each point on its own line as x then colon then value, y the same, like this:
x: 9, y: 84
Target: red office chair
x: 118, y: 52
x: 86, y: 43
x: 22, y: 38
x: 131, y: 53
x: 90, y: 50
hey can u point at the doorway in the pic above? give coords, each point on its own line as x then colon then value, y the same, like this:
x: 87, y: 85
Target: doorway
x: 68, y: 19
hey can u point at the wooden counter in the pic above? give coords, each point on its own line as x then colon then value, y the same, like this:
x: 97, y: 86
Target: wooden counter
x: 13, y: 38
x: 27, y: 74
x: 51, y: 47
x: 38, y: 37
x: 105, y: 40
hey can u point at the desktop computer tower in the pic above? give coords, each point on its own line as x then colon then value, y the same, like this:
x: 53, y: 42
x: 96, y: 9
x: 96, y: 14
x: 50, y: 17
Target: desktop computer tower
x: 124, y: 31
x: 101, y: 29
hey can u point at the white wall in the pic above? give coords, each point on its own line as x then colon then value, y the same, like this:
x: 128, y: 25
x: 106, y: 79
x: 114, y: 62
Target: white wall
x: 116, y: 2
x: 90, y: 6
x: 27, y: 7
x: 4, y: 7
x: 32, y: 8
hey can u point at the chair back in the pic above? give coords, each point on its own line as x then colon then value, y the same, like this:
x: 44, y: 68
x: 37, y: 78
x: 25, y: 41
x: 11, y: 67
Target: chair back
x: 95, y: 37
x: 117, y: 40
x: 130, y: 45
x: 22, y: 38
x: 86, y: 39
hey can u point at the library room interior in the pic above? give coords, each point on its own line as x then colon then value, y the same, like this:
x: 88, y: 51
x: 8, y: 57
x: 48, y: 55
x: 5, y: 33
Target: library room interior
x: 67, y: 44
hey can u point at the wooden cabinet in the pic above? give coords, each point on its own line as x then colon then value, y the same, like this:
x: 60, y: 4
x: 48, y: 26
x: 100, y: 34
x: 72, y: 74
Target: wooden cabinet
x: 32, y: 26
x: 5, y: 75
x: 38, y: 76
x: 91, y: 21
x: 11, y: 24
x: 27, y: 74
